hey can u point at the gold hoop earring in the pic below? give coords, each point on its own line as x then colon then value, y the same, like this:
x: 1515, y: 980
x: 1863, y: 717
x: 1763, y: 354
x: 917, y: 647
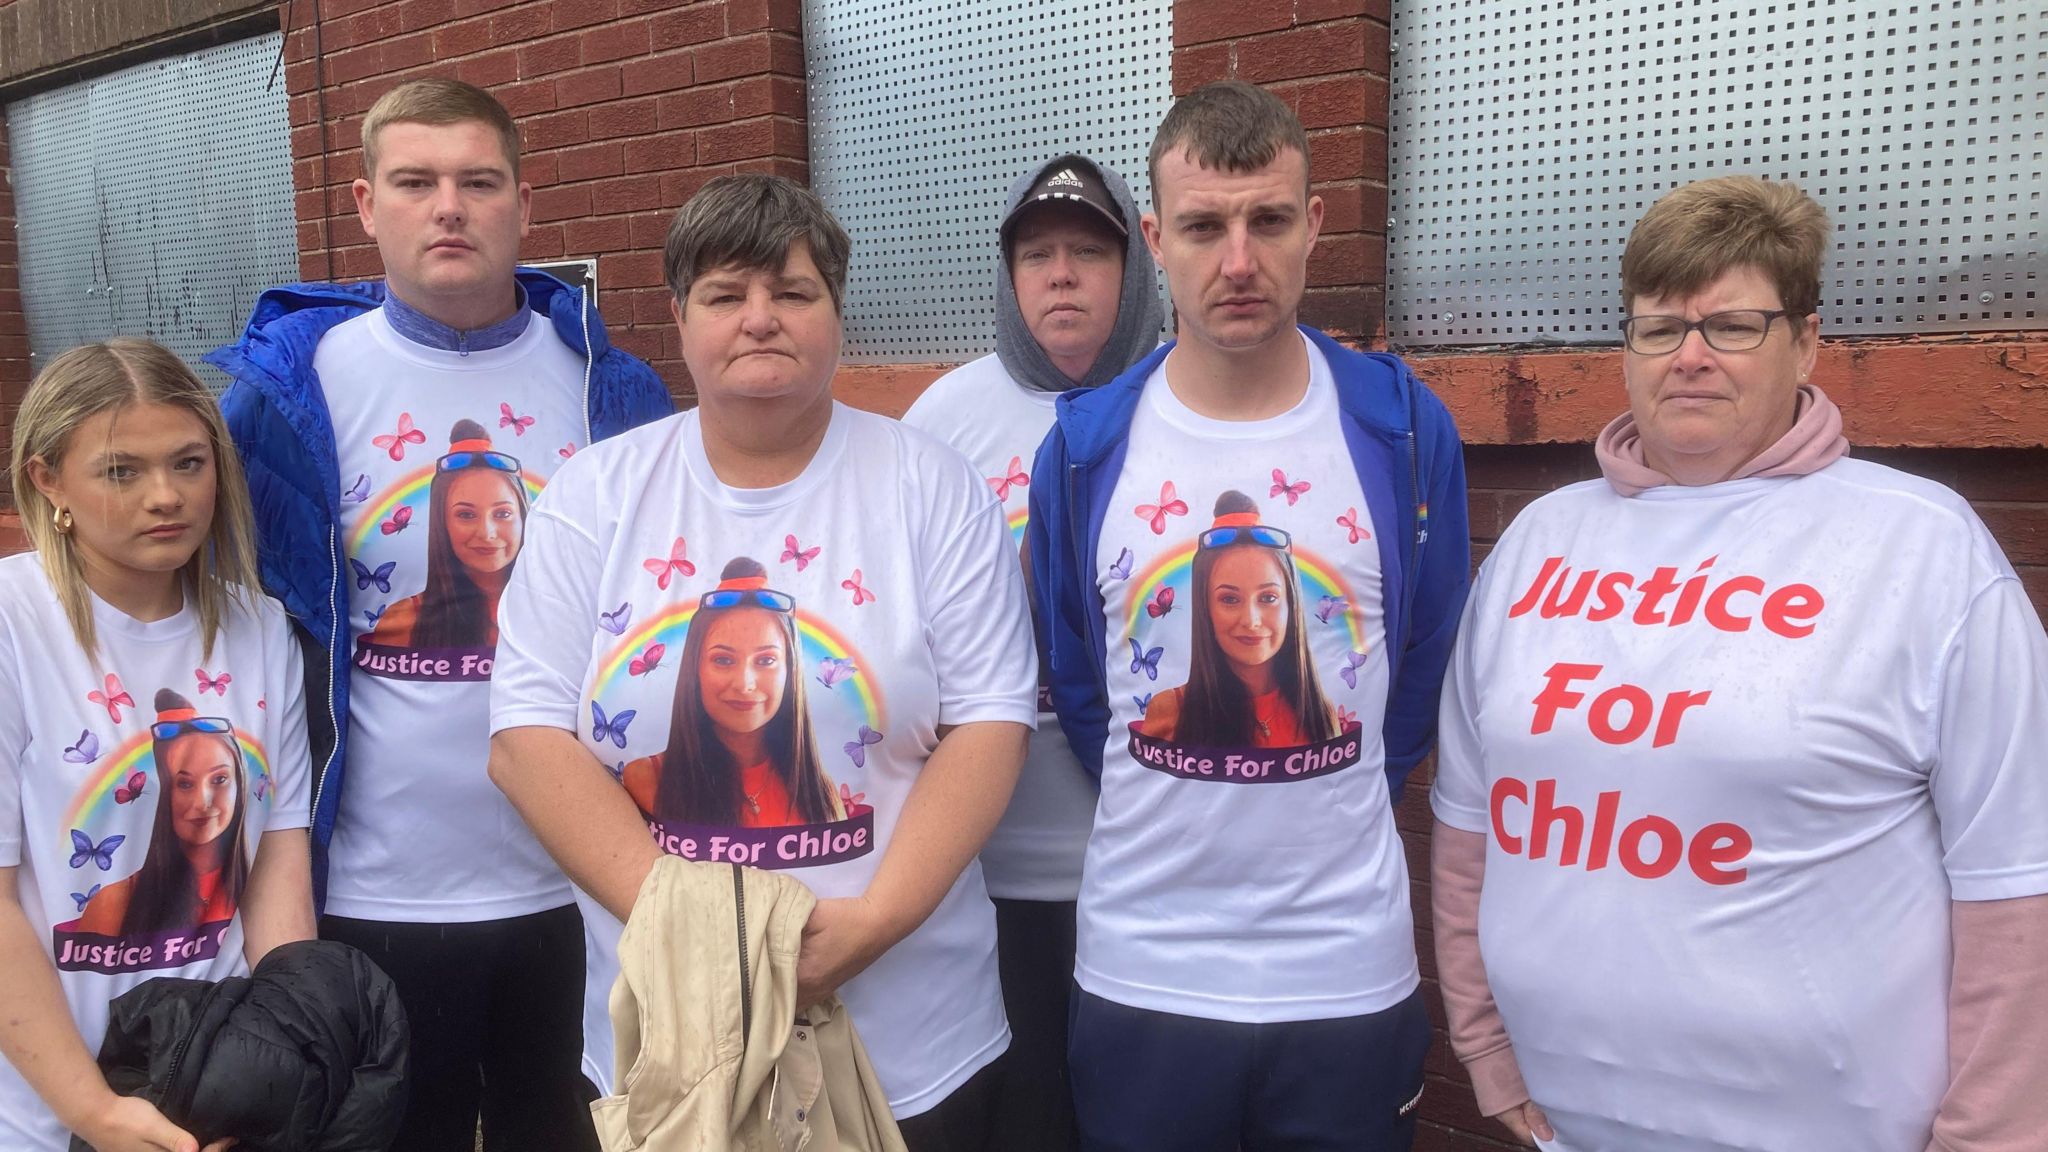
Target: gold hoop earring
x: 61, y: 518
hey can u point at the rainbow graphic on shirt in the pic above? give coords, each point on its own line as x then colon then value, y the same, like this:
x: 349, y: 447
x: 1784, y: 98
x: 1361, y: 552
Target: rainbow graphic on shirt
x: 816, y: 639
x: 411, y: 491
x: 1019, y: 520
x: 95, y: 802
x: 1318, y: 579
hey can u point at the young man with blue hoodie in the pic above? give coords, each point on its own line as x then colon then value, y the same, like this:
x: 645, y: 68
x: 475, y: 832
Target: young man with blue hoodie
x: 1077, y: 303
x: 395, y: 435
x: 1250, y: 556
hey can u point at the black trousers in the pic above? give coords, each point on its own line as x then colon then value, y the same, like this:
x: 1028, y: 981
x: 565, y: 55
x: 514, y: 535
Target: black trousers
x: 1035, y: 951
x: 1157, y: 1082
x: 496, y: 1009
x: 961, y: 1122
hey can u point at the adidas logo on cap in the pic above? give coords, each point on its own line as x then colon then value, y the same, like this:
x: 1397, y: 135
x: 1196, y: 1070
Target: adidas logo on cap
x: 1066, y: 178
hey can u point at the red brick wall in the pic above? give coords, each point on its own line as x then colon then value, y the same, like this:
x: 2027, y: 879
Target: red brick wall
x: 626, y: 107
x: 1329, y: 60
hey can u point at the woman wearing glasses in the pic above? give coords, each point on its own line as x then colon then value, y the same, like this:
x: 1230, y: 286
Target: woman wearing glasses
x: 476, y: 520
x: 868, y: 675
x: 1251, y: 681
x: 740, y: 747
x: 1742, y: 832
x: 145, y: 830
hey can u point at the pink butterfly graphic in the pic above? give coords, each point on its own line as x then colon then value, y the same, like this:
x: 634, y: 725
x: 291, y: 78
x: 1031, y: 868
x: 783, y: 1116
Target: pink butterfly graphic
x: 126, y: 793
x: 1169, y: 505
x: 648, y: 660
x: 1349, y: 521
x: 1161, y: 604
x: 566, y: 450
x: 518, y: 424
x: 677, y: 563
x: 791, y: 550
x: 1345, y: 718
x: 852, y: 801
x: 860, y: 595
x: 113, y: 699
x: 1292, y: 491
x: 398, y: 521
x: 218, y: 685
x: 406, y: 434
x: 1015, y: 477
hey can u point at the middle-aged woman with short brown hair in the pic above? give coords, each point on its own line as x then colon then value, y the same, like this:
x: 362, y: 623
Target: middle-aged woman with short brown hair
x: 1742, y: 832
x: 781, y: 535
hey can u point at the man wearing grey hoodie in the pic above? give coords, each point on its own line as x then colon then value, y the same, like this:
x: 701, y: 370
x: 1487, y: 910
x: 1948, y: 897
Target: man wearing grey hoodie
x: 1076, y: 304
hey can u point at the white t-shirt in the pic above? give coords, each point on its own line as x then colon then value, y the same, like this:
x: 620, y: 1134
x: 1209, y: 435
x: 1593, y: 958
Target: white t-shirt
x: 1035, y: 853
x: 422, y: 835
x: 1252, y: 875
x: 1775, y: 726
x: 82, y: 792
x: 888, y: 569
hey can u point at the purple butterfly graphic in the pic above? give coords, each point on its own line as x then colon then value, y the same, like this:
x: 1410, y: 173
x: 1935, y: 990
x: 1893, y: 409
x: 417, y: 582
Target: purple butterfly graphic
x: 618, y: 770
x: 86, y: 852
x: 1145, y: 661
x: 1121, y: 570
x: 358, y: 491
x: 1143, y: 702
x: 613, y: 729
x: 365, y: 577
x: 614, y: 621
x: 85, y: 751
x: 1353, y: 661
x: 263, y: 787
x: 836, y: 671
x: 83, y: 898
x: 1330, y: 606
x: 372, y: 615
x: 857, y: 748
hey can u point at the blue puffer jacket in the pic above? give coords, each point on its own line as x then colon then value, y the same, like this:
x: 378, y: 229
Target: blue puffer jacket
x: 278, y: 417
x: 1411, y: 466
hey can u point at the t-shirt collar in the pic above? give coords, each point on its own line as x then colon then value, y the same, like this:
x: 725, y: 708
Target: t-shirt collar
x: 421, y: 328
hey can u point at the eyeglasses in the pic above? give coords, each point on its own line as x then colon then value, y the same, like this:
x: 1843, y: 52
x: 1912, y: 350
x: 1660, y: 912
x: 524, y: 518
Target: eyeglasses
x: 1738, y: 330
x: 767, y: 598
x: 166, y: 729
x: 1256, y: 533
x: 498, y: 460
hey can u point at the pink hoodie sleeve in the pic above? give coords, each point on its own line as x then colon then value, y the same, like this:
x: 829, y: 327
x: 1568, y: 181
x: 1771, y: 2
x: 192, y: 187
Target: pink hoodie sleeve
x: 1997, y: 1099
x: 1457, y: 865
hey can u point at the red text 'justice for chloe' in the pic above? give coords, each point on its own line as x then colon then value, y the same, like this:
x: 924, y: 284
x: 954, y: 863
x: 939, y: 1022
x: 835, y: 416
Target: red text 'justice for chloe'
x: 1649, y: 845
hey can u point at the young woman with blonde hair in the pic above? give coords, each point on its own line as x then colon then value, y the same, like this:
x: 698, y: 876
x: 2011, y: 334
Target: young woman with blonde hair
x: 138, y: 591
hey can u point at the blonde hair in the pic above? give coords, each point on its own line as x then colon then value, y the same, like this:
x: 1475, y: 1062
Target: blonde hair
x: 436, y: 101
x: 106, y: 377
x: 1694, y: 234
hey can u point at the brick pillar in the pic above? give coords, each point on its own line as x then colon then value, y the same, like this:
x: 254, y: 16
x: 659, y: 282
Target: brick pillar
x: 1329, y: 60
x: 14, y: 363
x: 625, y: 107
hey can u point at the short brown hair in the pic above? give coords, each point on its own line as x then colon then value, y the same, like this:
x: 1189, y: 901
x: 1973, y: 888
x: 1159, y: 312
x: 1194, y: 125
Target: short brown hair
x: 750, y: 220
x: 435, y: 100
x: 1695, y: 233
x: 1230, y: 126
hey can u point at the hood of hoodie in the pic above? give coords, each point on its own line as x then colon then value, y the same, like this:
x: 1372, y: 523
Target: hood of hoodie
x: 1139, y: 313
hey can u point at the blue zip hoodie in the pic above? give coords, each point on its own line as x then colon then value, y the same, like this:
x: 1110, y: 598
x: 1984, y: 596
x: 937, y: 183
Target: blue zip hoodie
x: 1411, y: 466
x: 278, y: 417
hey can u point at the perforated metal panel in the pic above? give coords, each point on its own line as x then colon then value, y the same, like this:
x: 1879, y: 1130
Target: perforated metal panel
x: 154, y: 201
x: 1529, y: 137
x: 921, y: 114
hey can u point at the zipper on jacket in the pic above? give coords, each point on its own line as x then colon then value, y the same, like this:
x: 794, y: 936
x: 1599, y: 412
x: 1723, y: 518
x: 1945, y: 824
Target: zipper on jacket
x: 1077, y: 518
x: 739, y: 905
x: 1421, y: 508
x: 333, y: 651
x: 178, y: 1055
x: 589, y: 362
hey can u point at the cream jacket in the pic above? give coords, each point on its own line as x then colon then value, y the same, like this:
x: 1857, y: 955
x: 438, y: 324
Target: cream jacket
x: 711, y: 1058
